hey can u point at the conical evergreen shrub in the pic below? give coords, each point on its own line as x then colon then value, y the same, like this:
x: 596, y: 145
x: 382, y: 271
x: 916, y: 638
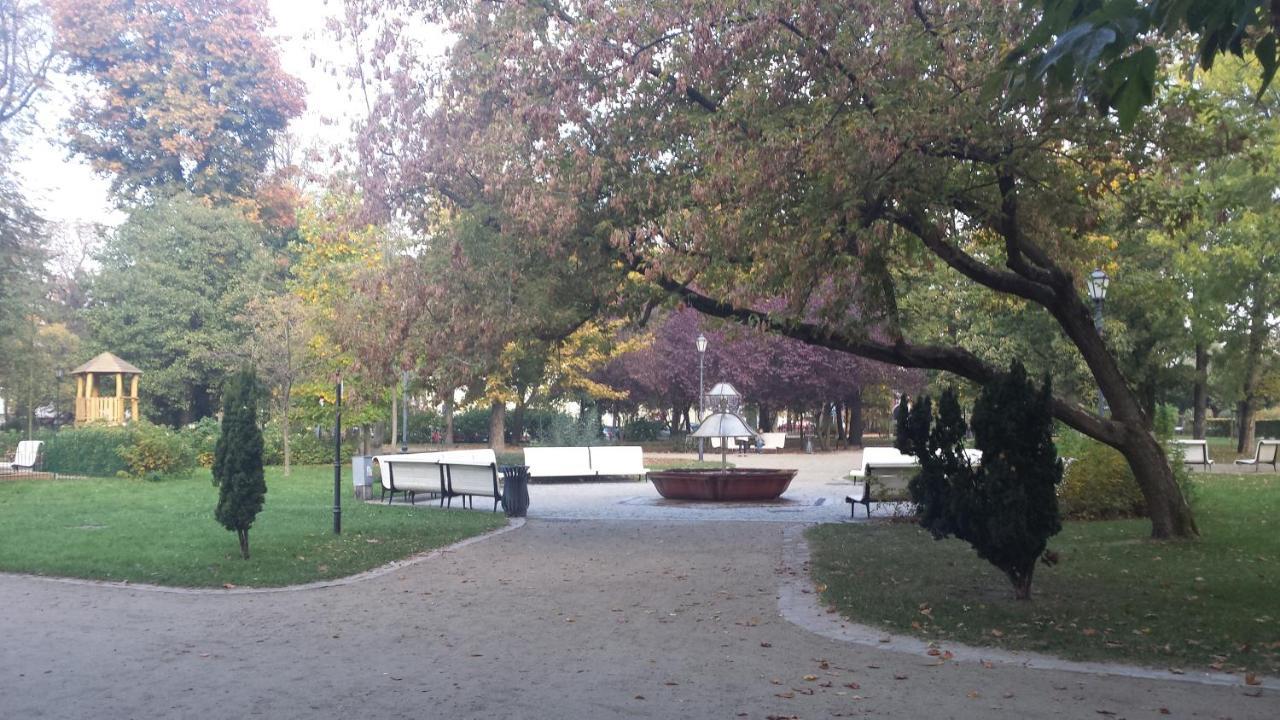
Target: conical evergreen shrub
x: 237, y: 459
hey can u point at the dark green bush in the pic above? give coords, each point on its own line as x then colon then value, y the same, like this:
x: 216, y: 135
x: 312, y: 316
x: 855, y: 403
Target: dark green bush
x: 471, y: 426
x: 202, y: 436
x: 89, y: 450
x: 641, y: 429
x: 421, y: 423
x: 1219, y: 427
x: 1098, y: 483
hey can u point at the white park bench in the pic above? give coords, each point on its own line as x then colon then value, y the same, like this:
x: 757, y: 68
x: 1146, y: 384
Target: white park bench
x: 1265, y: 454
x: 25, y: 457
x: 549, y: 462
x: 889, y: 467
x: 1196, y: 452
x: 450, y: 474
x: 773, y: 441
x: 618, y: 460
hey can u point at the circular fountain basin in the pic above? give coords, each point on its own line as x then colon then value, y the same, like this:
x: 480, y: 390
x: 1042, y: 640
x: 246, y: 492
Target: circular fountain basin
x: 726, y: 484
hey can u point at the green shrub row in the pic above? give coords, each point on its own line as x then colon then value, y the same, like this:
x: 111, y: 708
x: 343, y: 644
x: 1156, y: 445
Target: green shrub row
x: 151, y: 451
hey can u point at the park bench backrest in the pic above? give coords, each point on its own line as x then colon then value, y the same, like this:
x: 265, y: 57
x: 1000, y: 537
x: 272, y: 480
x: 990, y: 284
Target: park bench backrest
x: 551, y: 460
x: 1267, y: 451
x: 27, y: 452
x: 466, y: 478
x: 406, y: 473
x: 618, y: 460
x: 1195, y: 453
x: 773, y: 440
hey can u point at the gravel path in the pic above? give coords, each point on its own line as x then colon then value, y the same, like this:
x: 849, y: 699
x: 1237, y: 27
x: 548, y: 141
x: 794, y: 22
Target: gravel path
x: 574, y: 619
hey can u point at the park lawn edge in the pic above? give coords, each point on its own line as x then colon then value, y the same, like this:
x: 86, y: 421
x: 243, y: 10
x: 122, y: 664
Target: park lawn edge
x: 1115, y: 596
x: 163, y: 533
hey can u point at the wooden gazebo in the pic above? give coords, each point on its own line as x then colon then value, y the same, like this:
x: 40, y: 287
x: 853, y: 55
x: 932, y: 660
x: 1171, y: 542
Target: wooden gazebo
x: 92, y: 405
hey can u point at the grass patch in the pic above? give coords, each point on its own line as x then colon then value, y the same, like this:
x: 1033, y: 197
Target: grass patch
x: 1115, y: 595
x: 164, y: 532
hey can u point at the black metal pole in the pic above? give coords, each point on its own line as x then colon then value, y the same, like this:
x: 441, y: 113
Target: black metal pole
x: 337, y: 463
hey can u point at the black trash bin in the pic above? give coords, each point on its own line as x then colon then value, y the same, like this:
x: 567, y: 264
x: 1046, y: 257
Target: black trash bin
x: 515, y: 490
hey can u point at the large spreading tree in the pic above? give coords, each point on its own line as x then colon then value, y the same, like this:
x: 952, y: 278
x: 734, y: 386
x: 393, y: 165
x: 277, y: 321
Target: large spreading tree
x: 828, y: 155
x: 181, y: 94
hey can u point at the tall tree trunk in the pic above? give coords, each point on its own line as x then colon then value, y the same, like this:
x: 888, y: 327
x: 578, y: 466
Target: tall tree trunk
x: 498, y: 425
x: 395, y: 417
x: 517, y: 421
x: 448, y: 417
x: 284, y: 425
x: 1200, y: 391
x: 840, y: 424
x: 1166, y: 507
x: 1253, y: 366
x: 855, y: 418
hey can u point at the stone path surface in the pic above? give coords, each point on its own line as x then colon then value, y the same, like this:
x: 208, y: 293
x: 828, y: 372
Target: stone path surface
x: 607, y: 617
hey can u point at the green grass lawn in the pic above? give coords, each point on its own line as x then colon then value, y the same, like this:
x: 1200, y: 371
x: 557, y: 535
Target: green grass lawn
x: 164, y: 532
x: 1115, y: 595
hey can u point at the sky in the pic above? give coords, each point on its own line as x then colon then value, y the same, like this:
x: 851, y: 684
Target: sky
x: 65, y: 190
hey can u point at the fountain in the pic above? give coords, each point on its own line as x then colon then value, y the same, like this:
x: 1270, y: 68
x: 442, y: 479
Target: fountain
x: 723, y: 483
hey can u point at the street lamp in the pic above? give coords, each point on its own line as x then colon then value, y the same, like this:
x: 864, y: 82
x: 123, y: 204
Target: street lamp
x: 1098, y: 282
x: 404, y: 412
x: 701, y: 344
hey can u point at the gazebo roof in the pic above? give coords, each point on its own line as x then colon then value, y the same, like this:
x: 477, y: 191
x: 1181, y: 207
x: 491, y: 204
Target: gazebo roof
x: 107, y: 363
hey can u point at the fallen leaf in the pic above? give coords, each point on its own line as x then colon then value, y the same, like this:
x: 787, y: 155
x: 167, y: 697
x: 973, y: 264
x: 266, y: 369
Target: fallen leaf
x: 785, y: 695
x: 1164, y: 711
x: 639, y: 697
x: 824, y: 665
x: 766, y: 644
x: 947, y: 655
x: 934, y: 652
x: 853, y: 686
x: 1251, y: 679
x: 228, y: 585
x: 1088, y: 632
x: 810, y: 678
x: 1104, y: 712
x: 997, y: 633
x: 987, y: 664
x: 972, y: 695
x: 899, y: 676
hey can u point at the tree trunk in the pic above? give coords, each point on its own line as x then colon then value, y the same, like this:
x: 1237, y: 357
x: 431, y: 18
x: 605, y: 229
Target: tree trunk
x: 498, y: 425
x: 1166, y: 507
x: 517, y: 422
x: 395, y: 417
x: 841, y: 436
x: 1253, y: 362
x: 243, y: 536
x: 855, y: 418
x: 1021, y: 580
x: 1200, y: 391
x: 284, y: 430
x: 448, y: 417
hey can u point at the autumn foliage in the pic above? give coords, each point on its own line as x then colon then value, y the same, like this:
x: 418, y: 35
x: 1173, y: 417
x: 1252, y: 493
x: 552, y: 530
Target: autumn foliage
x: 182, y: 93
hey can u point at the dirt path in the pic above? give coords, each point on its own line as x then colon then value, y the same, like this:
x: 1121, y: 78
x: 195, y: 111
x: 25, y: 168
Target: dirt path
x: 572, y: 619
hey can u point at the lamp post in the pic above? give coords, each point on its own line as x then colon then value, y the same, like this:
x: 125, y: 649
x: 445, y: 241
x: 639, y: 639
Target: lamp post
x: 701, y: 344
x: 1098, y: 282
x: 337, y: 462
x: 404, y: 412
